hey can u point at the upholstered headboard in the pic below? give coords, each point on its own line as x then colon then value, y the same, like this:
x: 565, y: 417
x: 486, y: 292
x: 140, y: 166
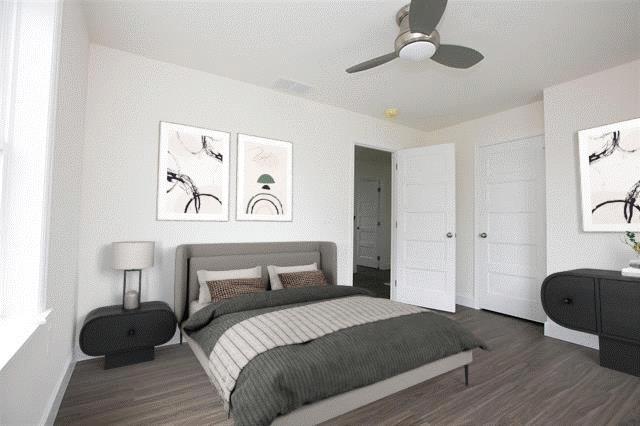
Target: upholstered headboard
x: 219, y: 257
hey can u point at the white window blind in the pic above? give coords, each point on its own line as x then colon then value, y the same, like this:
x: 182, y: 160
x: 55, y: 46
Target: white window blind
x: 28, y: 50
x: 29, y: 38
x: 7, y: 43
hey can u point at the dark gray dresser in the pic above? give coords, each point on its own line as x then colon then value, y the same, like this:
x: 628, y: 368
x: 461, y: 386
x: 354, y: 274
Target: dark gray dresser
x: 127, y: 336
x: 599, y: 302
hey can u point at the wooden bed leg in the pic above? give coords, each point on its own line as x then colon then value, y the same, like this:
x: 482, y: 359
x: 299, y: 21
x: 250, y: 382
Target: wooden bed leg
x: 466, y: 375
x: 180, y: 336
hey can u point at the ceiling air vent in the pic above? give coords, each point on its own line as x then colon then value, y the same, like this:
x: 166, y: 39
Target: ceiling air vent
x: 290, y: 86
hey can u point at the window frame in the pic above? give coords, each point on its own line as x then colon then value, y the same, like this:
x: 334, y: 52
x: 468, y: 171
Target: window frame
x: 8, y: 32
x: 15, y: 330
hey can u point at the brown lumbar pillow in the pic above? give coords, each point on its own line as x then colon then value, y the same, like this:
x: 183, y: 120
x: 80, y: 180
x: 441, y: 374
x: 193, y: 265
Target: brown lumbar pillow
x: 225, y: 289
x: 302, y: 279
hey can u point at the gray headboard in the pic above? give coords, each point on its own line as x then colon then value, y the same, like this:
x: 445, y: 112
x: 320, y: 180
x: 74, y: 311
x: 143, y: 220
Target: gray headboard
x: 219, y: 257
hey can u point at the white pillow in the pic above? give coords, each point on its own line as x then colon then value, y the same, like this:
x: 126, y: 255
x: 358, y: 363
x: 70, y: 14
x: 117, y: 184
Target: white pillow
x: 203, y: 276
x: 274, y: 271
x: 195, y: 306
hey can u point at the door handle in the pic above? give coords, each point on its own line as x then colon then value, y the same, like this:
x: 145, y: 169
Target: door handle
x: 449, y: 235
x: 483, y: 235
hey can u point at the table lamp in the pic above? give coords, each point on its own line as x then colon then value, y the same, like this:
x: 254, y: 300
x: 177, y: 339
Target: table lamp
x: 132, y: 256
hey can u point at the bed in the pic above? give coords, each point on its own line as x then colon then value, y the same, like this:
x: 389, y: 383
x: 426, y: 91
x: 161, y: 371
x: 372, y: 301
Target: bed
x: 316, y: 401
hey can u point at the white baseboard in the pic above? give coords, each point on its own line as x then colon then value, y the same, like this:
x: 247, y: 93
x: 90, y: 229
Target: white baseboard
x: 174, y: 340
x: 465, y: 301
x: 551, y: 329
x: 51, y: 411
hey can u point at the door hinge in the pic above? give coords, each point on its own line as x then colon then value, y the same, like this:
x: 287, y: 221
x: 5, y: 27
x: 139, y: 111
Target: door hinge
x: 396, y: 223
x: 378, y: 258
x: 379, y: 224
x: 396, y: 166
x: 379, y: 189
x: 395, y: 283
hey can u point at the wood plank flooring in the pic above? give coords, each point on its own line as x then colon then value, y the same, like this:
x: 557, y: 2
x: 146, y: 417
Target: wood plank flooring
x: 525, y: 378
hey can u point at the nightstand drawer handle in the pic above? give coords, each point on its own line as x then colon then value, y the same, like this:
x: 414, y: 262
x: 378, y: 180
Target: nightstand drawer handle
x: 567, y: 301
x: 131, y: 332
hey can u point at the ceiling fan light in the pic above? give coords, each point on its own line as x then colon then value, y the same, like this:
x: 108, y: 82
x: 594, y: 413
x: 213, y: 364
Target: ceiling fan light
x: 418, y: 50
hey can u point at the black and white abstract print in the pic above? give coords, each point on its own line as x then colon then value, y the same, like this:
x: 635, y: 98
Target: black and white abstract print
x: 610, y: 174
x: 193, y: 178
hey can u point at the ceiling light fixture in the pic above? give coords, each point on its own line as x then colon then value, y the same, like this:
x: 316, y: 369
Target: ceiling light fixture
x: 391, y: 112
x: 418, y: 50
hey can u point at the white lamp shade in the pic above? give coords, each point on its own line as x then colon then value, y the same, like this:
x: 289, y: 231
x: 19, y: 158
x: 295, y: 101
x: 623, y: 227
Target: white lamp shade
x: 132, y: 254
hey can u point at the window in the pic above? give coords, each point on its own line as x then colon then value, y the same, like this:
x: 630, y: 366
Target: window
x: 7, y: 42
x: 28, y: 61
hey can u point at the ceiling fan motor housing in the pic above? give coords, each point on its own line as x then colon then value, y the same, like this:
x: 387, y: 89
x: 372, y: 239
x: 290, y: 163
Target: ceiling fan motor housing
x: 406, y: 37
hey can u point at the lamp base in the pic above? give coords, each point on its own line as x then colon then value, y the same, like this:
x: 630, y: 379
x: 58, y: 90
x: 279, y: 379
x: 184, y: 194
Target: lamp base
x: 131, y: 300
x: 126, y: 302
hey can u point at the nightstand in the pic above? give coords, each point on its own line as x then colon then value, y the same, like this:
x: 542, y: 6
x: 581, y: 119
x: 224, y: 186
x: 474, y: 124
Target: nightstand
x: 603, y: 303
x: 127, y: 336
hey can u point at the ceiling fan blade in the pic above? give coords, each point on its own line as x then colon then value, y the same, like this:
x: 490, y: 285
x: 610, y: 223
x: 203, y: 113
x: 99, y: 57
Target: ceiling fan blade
x: 424, y: 15
x: 373, y: 63
x: 457, y: 56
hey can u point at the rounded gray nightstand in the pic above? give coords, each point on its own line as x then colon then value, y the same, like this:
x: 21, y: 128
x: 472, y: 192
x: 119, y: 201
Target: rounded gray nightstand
x: 127, y: 336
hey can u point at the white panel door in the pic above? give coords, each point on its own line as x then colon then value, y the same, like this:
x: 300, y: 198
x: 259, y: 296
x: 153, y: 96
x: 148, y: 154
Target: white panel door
x: 367, y: 222
x: 425, y: 246
x: 510, y: 222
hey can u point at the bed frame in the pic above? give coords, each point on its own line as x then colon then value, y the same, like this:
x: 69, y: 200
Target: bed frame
x: 192, y: 257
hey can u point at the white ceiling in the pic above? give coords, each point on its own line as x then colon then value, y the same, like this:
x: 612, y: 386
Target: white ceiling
x: 528, y: 45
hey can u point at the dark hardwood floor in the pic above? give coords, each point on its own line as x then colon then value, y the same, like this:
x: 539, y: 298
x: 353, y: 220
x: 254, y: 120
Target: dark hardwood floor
x: 374, y: 280
x: 525, y: 378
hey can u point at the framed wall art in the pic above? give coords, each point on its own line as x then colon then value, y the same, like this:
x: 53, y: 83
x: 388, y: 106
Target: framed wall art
x: 265, y: 179
x: 610, y: 177
x: 193, y: 173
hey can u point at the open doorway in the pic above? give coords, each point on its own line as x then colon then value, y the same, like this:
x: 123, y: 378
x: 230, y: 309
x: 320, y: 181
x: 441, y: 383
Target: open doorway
x: 372, y: 221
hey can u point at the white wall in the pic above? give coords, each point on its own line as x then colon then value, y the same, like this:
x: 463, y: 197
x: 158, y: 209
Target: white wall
x: 29, y: 383
x: 517, y: 123
x: 603, y: 98
x: 127, y: 97
x: 377, y: 164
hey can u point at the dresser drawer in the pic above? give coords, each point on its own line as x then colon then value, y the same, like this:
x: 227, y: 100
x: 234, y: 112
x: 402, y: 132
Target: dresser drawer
x: 570, y: 301
x: 620, y: 308
x: 106, y: 334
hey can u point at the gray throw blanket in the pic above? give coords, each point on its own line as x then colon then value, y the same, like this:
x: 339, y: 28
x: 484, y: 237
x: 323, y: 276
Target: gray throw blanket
x: 284, y: 378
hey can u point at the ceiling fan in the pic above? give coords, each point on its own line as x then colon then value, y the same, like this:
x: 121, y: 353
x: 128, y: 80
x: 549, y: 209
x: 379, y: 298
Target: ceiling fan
x: 419, y: 39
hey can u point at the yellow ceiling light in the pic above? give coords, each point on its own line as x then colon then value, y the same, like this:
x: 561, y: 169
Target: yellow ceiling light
x: 391, y: 112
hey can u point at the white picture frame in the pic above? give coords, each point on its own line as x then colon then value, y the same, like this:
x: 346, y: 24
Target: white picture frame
x: 610, y: 177
x: 193, y: 173
x: 264, y: 179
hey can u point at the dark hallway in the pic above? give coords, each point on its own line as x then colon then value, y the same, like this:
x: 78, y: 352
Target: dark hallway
x: 373, y: 280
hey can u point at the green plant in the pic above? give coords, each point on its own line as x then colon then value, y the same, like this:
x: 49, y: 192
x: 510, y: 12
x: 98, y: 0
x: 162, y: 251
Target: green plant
x: 631, y: 240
